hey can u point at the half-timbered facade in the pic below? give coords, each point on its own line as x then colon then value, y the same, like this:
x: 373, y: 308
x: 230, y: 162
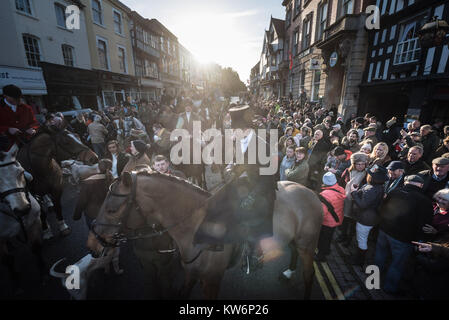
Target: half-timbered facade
x: 271, y: 80
x: 401, y: 77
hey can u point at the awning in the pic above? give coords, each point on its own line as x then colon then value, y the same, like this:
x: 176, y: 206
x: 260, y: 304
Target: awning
x: 30, y: 81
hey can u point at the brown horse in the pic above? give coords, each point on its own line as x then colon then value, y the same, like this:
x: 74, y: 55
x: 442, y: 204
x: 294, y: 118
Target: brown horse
x: 137, y: 199
x: 41, y: 157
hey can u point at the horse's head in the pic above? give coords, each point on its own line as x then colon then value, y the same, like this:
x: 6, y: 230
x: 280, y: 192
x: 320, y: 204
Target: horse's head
x: 13, y: 192
x: 69, y: 146
x: 112, y: 218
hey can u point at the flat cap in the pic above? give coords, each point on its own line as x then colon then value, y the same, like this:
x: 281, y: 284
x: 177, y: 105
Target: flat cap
x: 413, y: 178
x: 395, y: 165
x: 441, y: 161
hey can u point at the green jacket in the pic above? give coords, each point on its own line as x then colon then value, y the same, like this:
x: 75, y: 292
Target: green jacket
x: 298, y: 172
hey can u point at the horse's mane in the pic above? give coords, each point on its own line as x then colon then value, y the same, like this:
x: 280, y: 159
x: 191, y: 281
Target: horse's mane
x: 174, y: 179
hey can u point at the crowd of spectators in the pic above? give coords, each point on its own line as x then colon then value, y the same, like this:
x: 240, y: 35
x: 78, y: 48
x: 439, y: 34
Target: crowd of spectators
x: 384, y: 183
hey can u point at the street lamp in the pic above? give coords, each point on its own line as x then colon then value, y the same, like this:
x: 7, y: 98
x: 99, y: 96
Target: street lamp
x: 433, y: 33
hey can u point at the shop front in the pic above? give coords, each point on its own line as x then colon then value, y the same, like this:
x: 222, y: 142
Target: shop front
x: 70, y: 88
x: 115, y: 88
x: 30, y: 81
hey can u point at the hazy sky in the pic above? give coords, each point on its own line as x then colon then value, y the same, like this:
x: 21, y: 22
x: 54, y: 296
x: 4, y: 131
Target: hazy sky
x: 228, y: 32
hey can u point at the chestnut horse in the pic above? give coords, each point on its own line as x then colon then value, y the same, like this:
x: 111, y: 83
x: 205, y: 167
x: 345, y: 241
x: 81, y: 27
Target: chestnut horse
x: 41, y: 157
x: 136, y: 200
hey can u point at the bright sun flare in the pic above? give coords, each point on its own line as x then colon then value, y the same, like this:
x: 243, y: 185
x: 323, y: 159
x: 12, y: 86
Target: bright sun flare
x: 209, y: 36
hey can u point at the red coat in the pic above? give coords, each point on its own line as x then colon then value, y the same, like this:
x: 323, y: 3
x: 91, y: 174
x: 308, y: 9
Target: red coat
x: 336, y: 199
x: 22, y: 119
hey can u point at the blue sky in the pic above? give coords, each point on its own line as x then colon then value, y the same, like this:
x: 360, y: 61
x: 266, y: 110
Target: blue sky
x: 228, y: 32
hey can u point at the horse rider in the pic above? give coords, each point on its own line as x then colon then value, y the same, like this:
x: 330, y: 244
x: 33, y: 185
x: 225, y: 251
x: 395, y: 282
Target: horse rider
x: 17, y: 120
x: 186, y: 119
x: 244, y: 206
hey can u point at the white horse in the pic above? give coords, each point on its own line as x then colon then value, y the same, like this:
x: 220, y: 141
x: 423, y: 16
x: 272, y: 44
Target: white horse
x: 19, y: 212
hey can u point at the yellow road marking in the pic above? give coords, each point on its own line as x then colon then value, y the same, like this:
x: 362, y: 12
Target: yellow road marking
x: 322, y: 283
x: 333, y: 282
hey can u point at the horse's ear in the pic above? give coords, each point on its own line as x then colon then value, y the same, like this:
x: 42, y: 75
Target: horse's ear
x: 127, y: 179
x: 14, y: 150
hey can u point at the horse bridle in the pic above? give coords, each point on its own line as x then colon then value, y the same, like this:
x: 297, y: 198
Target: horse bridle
x: 131, y: 204
x: 4, y: 194
x: 119, y: 237
x: 72, y: 154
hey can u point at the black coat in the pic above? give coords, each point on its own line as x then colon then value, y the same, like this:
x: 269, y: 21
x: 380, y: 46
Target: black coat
x: 366, y: 200
x: 404, y: 212
x: 415, y: 168
x: 431, y: 186
x: 122, y: 160
x: 430, y: 144
x: 224, y: 207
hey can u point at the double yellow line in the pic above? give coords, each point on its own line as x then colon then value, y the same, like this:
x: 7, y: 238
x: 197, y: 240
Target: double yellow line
x: 331, y: 279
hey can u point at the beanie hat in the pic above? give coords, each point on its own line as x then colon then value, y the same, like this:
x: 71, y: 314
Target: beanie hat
x: 329, y: 179
x: 12, y: 91
x: 140, y: 145
x: 338, y: 151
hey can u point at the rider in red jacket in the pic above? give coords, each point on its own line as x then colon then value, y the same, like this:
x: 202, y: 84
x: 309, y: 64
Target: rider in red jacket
x: 16, y: 119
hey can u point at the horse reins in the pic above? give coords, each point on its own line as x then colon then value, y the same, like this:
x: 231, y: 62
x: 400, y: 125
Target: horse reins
x: 123, y: 238
x: 4, y: 194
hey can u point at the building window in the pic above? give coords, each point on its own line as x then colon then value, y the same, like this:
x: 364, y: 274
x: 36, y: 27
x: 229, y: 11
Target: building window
x: 117, y: 22
x: 162, y: 44
x: 407, y: 49
x: 295, y: 42
x: 24, y: 6
x: 347, y: 7
x: 297, y: 6
x: 139, y: 33
x: 288, y: 18
x: 60, y: 15
x: 97, y: 12
x: 151, y: 69
x: 306, y: 33
x: 67, y: 53
x: 153, y: 40
x: 302, y: 80
x: 122, y: 59
x: 164, y: 65
x: 102, y: 54
x: 139, y: 67
x: 322, y: 20
x: 316, y: 85
x: 32, y: 50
